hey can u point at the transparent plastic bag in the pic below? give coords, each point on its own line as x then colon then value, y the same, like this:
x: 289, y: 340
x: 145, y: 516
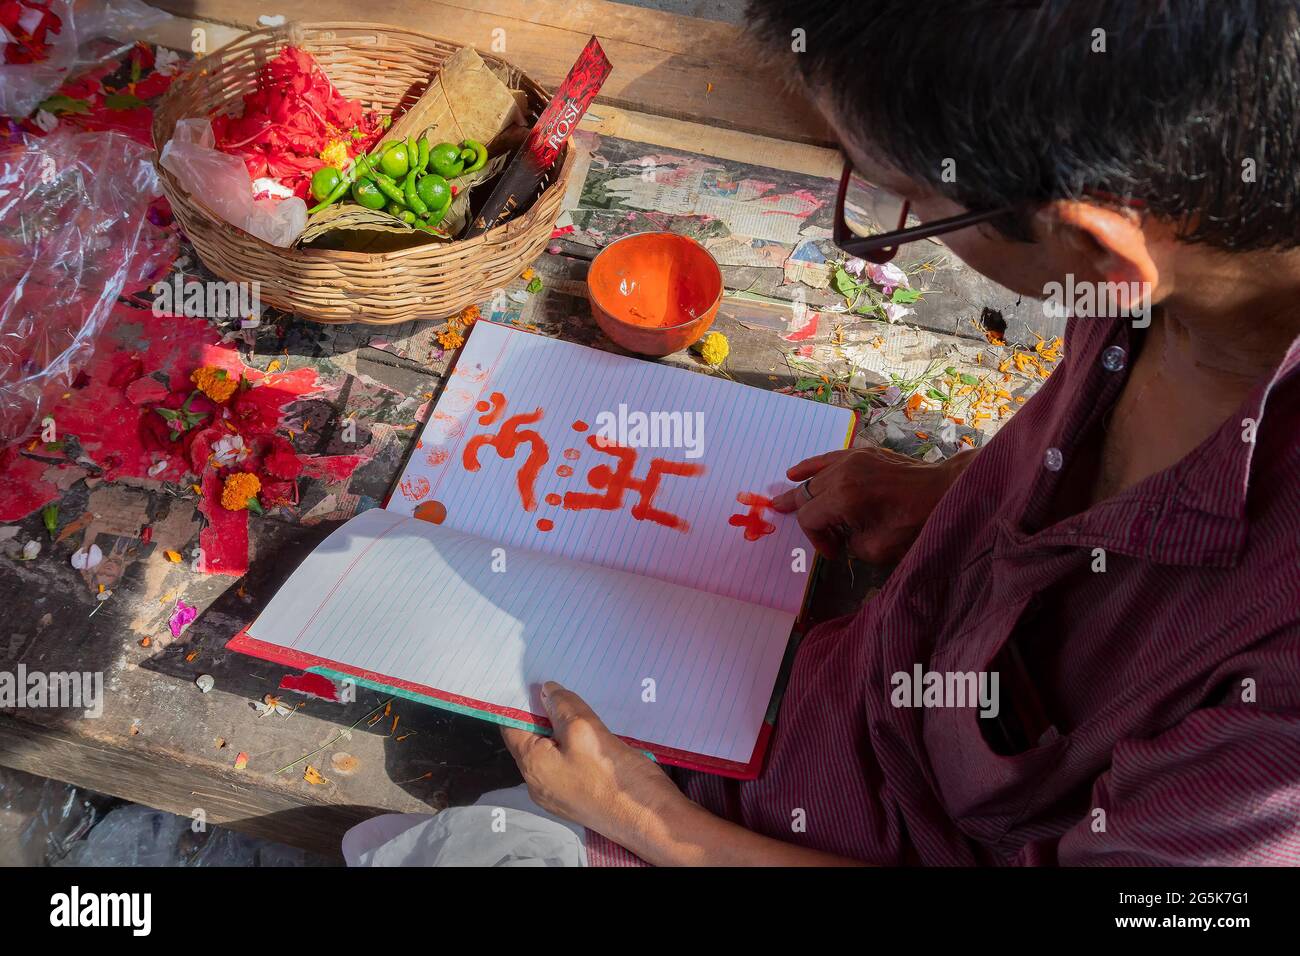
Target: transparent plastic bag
x: 222, y: 182
x: 74, y: 234
x: 41, y: 819
x: 24, y: 85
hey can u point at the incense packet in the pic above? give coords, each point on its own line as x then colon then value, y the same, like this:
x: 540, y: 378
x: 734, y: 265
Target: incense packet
x: 528, y: 172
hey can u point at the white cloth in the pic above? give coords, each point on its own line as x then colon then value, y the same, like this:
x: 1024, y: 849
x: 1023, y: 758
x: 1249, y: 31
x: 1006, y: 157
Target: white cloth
x: 502, y: 828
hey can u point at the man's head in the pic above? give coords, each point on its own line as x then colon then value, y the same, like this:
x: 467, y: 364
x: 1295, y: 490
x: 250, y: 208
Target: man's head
x: 1131, y: 136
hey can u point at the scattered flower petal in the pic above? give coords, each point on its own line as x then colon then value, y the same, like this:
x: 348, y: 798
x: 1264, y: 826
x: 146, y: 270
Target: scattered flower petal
x: 86, y: 558
x: 180, y: 617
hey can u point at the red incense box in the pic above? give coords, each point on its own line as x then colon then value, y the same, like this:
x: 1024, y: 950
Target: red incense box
x: 527, y: 173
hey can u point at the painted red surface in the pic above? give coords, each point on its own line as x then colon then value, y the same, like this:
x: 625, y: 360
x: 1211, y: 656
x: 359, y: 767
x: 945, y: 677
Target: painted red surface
x: 103, y: 410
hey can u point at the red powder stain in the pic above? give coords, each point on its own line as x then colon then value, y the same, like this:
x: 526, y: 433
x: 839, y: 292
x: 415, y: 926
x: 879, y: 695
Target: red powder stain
x: 497, y: 407
x: 332, y: 468
x: 453, y: 427
x: 102, y: 415
x: 545, y: 524
x: 753, y: 522
x: 434, y: 512
x: 312, y: 685
x: 572, y: 454
x: 506, y: 442
x: 413, y: 489
x: 579, y: 426
x: 553, y: 499
x: 437, y: 457
x: 470, y: 374
x: 564, y: 471
x: 617, y: 482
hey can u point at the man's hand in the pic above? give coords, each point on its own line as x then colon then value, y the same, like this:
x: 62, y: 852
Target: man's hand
x: 586, y: 774
x: 871, y: 501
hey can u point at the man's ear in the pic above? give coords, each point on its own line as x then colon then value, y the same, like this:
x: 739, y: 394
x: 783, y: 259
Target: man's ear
x: 1111, y: 245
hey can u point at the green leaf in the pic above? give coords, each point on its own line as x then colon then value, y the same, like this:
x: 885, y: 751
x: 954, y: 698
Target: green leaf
x: 64, y: 104
x: 905, y: 296
x: 123, y: 101
x: 843, y: 283
x: 535, y: 285
x: 50, y: 517
x: 937, y: 395
x: 951, y: 370
x: 969, y: 379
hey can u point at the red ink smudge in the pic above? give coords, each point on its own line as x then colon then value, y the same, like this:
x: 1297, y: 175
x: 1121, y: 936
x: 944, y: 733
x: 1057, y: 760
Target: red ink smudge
x: 435, y: 512
x: 553, y: 499
x: 545, y: 524
x: 617, y: 482
x: 437, y: 457
x: 572, y: 454
x: 497, y: 406
x: 753, y: 522
x: 312, y: 685
x: 506, y: 442
x: 415, y: 488
x: 564, y: 471
x: 579, y: 426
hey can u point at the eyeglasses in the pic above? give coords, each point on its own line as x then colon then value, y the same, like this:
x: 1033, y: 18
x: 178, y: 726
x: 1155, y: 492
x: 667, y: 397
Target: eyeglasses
x: 871, y: 223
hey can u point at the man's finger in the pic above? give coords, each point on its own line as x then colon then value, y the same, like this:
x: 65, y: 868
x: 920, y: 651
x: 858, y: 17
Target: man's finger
x: 821, y: 522
x: 521, y: 743
x: 565, y: 707
x: 789, y: 501
x: 810, y: 466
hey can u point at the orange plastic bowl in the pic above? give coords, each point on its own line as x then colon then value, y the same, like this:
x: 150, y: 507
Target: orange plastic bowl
x: 654, y: 293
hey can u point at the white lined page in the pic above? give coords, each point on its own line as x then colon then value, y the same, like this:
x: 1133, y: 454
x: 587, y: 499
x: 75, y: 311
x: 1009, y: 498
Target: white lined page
x: 420, y: 602
x: 750, y: 437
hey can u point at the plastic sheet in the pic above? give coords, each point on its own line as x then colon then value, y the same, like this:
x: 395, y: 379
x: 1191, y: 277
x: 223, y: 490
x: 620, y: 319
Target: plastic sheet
x: 133, y: 835
x: 48, y: 823
x: 24, y: 85
x: 41, y: 819
x: 74, y: 234
x: 222, y: 183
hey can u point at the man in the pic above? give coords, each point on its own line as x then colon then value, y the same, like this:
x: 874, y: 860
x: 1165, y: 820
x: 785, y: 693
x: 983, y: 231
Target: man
x: 1123, y: 555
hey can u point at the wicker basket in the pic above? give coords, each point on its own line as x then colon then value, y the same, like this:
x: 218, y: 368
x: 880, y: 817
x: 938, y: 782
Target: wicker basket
x: 379, y: 66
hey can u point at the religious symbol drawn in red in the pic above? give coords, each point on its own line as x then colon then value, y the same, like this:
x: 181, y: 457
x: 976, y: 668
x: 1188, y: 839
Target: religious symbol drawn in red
x: 620, y: 480
x: 753, y: 521
x: 506, y: 442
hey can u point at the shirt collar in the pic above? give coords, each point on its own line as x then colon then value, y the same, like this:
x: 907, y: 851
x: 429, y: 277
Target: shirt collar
x: 1194, y: 513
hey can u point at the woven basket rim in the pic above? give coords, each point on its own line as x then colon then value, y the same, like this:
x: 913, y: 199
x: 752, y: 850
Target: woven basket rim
x: 290, y: 253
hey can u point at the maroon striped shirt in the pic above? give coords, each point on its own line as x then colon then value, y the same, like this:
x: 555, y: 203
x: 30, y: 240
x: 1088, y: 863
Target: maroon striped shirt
x: 1150, y: 712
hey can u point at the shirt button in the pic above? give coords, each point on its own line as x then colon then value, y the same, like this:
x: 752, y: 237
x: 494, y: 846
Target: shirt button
x: 1053, y: 460
x: 1112, y: 360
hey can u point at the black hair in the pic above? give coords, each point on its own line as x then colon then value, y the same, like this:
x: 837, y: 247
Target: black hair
x: 1191, y: 107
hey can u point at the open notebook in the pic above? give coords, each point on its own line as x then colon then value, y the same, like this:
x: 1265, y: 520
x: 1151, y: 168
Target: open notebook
x: 576, y: 516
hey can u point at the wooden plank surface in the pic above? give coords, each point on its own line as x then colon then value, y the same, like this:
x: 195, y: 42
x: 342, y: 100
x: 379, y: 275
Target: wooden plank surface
x: 664, y: 64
